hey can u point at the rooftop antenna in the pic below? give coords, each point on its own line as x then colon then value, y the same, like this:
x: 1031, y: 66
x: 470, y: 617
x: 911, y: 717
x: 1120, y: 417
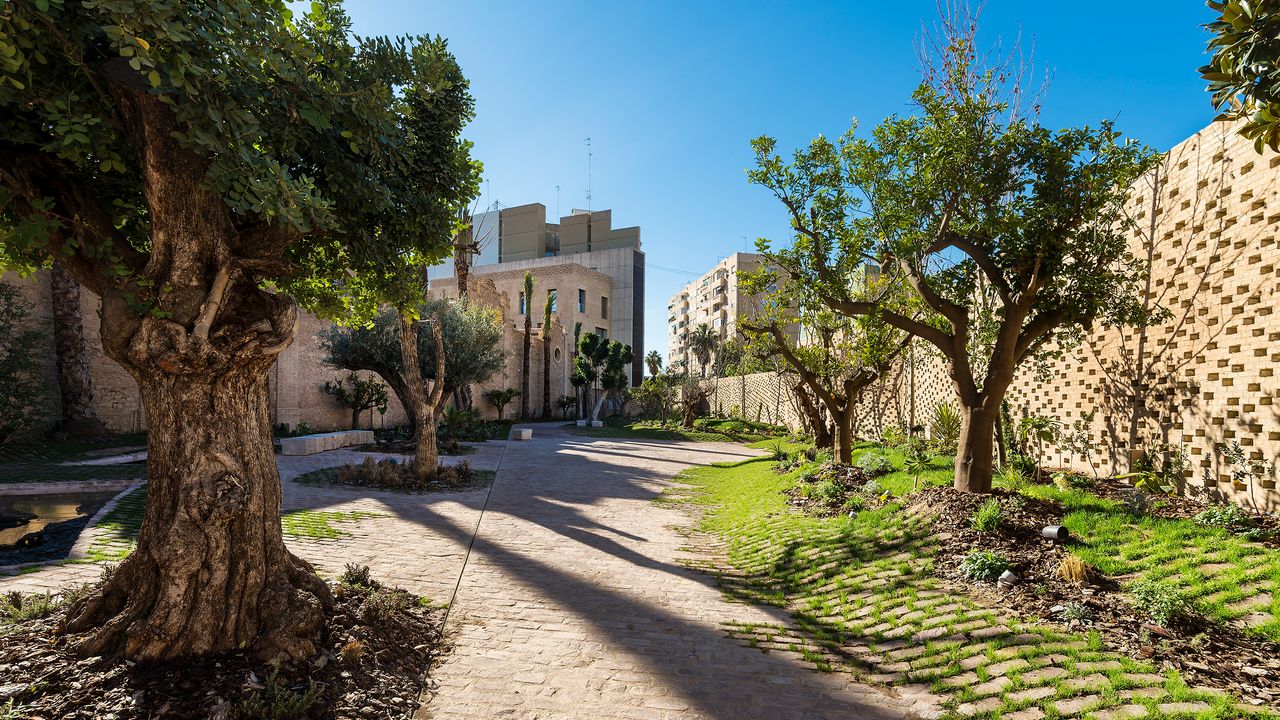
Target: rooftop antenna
x: 588, y: 174
x: 557, y: 202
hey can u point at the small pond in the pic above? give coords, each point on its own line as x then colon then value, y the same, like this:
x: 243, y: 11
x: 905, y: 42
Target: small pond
x: 36, y: 528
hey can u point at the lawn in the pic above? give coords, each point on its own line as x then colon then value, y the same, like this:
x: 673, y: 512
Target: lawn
x: 41, y: 461
x: 704, y: 430
x: 863, y: 588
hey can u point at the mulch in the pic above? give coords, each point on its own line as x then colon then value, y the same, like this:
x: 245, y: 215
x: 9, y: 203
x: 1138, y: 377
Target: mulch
x: 1206, y: 654
x: 383, y: 680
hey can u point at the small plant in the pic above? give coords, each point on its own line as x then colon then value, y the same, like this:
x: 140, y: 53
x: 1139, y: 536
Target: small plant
x: 1245, y: 470
x: 565, y: 403
x: 1075, y: 612
x: 1073, y: 570
x: 1164, y: 603
x: 777, y: 451
x: 946, y: 427
x: 1147, y: 481
x: 17, y: 607
x: 830, y: 491
x: 1227, y: 515
x: 277, y: 702
x: 983, y: 566
x: 382, y: 605
x: 1074, y: 441
x: 352, y: 651
x: 855, y: 503
x: 1039, y: 429
x: 917, y: 461
x: 356, y: 576
x: 1010, y: 478
x: 892, y: 436
x: 1137, y: 502
x: 875, y: 463
x: 1024, y: 465
x: 988, y: 517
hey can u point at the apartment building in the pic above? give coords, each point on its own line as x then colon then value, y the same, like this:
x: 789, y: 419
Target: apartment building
x: 515, y: 239
x: 715, y: 299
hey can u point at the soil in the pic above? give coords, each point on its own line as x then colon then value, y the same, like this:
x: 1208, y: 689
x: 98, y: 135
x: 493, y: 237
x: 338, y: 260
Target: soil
x: 390, y: 475
x: 383, y: 680
x: 856, y: 491
x: 1243, y: 664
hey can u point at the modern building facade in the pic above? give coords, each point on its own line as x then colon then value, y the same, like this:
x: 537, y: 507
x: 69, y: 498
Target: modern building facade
x: 716, y: 299
x: 512, y: 240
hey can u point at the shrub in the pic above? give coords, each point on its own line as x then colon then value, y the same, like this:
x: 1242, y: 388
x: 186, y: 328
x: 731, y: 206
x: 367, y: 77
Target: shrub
x: 988, y: 517
x: 352, y: 651
x: 1010, y: 478
x: 1162, y: 602
x: 1024, y: 465
x: 1227, y: 515
x: 983, y: 566
x: 875, y: 463
x: 1137, y: 502
x: 1073, y: 570
x: 855, y: 503
x: 277, y: 702
x: 356, y: 576
x: 777, y: 451
x: 1075, y: 611
x: 830, y: 491
x: 17, y: 607
x: 946, y: 426
x: 382, y: 605
x: 893, y: 436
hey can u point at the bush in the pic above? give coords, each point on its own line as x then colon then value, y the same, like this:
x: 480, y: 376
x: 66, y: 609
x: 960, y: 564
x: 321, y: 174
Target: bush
x: 356, y: 576
x: 1024, y: 465
x: 277, y: 702
x: 1010, y: 478
x: 988, y: 517
x: 946, y: 426
x: 382, y: 605
x: 892, y: 436
x: 1073, y: 570
x: 17, y: 607
x: 875, y: 463
x: 777, y: 451
x: 983, y: 566
x: 829, y: 491
x: 1162, y: 602
x: 1228, y: 515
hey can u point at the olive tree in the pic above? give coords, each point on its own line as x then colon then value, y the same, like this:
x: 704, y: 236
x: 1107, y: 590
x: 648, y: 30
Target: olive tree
x: 967, y: 198
x: 206, y: 168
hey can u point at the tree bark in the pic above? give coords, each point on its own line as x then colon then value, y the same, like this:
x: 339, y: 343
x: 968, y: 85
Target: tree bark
x: 426, y: 406
x: 210, y: 572
x: 546, y: 375
x: 75, y: 382
x: 843, y: 446
x: 976, y: 448
x: 524, y: 367
x: 355, y: 418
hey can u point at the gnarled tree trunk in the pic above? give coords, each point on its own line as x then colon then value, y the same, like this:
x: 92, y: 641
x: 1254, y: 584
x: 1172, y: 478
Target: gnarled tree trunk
x: 210, y: 572
x: 426, y: 406
x: 976, y: 450
x: 75, y: 382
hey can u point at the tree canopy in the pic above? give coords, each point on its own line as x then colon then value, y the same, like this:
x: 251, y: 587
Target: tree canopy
x: 1244, y: 70
x: 967, y: 199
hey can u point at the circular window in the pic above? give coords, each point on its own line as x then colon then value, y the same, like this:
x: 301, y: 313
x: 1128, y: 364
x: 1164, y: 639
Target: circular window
x: 556, y: 354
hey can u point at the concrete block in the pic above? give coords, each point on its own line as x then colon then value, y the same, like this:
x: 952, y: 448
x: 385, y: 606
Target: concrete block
x: 597, y: 423
x: 522, y: 434
x: 321, y: 442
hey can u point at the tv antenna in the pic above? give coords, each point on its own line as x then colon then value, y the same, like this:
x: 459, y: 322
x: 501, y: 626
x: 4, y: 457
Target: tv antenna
x: 557, y: 202
x: 588, y: 174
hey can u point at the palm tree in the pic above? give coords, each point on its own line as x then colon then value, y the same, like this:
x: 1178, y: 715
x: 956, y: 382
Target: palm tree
x: 546, y: 356
x: 703, y: 342
x: 527, y: 308
x: 654, y: 361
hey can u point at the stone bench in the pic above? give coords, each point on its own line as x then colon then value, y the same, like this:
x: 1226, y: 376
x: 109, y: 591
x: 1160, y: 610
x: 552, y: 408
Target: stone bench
x: 522, y: 434
x: 320, y: 442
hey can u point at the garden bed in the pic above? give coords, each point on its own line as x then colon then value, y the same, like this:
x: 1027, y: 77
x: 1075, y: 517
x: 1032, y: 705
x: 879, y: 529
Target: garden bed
x: 391, y: 475
x: 377, y: 646
x: 1206, y: 652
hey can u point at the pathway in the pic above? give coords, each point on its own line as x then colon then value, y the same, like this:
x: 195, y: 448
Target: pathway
x: 575, y: 603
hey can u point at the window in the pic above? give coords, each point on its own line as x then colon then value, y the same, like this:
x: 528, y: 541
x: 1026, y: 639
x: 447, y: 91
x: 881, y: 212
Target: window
x: 602, y: 332
x: 523, y: 309
x: 552, y: 294
x: 604, y: 306
x: 582, y: 300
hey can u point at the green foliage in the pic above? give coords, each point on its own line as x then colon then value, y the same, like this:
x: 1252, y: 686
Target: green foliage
x: 983, y: 566
x: 337, y: 157
x: 653, y: 362
x: 1147, y: 481
x: 500, y: 398
x: 946, y: 426
x: 703, y: 342
x: 875, y: 463
x: 21, y: 391
x: 358, y: 394
x: 1163, y: 602
x: 472, y: 345
x: 989, y: 516
x: 19, y: 607
x: 1243, y: 74
x: 737, y: 356
x: 565, y: 403
x: 356, y: 576
x: 1037, y: 430
x: 916, y: 461
x: 1010, y: 478
x: 384, y: 604
x: 275, y: 701
x: 602, y: 363
x: 1245, y: 470
x: 1227, y: 515
x: 893, y: 436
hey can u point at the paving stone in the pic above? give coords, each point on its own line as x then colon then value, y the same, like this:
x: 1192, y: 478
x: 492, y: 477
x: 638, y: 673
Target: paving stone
x: 981, y: 706
x: 1007, y: 666
x: 1076, y: 705
x: 1096, y: 681
x: 1124, y: 712
x: 1036, y: 693
x: 992, y: 686
x: 1031, y: 713
x: 1180, y: 708
x: 1039, y: 675
x: 1099, y: 666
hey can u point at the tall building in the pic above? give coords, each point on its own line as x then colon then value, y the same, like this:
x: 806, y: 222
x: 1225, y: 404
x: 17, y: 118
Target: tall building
x: 515, y: 239
x: 715, y: 299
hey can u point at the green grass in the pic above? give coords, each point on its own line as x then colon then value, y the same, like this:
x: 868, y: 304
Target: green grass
x: 40, y: 461
x: 320, y: 524
x: 941, y: 470
x: 863, y: 589
x: 704, y: 430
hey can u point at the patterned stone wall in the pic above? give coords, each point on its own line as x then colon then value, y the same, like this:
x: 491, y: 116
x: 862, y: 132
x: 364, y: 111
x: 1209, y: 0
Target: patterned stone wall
x: 1207, y: 222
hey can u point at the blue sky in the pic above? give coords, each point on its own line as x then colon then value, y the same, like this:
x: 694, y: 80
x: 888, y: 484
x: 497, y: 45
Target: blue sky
x: 672, y: 93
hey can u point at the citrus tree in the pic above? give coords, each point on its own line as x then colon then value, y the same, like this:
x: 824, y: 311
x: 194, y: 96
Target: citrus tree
x: 207, y: 168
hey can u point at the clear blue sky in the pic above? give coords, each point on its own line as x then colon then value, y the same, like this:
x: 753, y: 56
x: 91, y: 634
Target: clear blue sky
x: 671, y: 94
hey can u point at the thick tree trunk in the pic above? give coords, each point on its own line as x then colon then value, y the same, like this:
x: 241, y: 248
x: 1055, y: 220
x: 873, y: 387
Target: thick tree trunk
x: 976, y: 449
x: 75, y: 383
x: 355, y: 418
x: 843, y: 446
x: 210, y: 572
x: 427, y: 448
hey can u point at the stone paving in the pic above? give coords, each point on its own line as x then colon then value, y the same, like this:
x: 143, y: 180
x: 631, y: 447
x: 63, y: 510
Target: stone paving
x: 579, y: 599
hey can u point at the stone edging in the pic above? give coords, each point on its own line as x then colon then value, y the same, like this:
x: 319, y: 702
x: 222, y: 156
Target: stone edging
x: 80, y: 549
x: 70, y: 486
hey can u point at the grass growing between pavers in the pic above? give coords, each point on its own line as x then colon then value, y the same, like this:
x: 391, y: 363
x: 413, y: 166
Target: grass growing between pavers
x: 328, y: 477
x: 704, y: 430
x: 117, y: 533
x: 863, y: 588
x: 41, y: 461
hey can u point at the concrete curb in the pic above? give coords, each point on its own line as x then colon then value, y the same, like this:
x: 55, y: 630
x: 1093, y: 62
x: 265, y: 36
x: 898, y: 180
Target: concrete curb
x: 80, y: 550
x: 71, y: 486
